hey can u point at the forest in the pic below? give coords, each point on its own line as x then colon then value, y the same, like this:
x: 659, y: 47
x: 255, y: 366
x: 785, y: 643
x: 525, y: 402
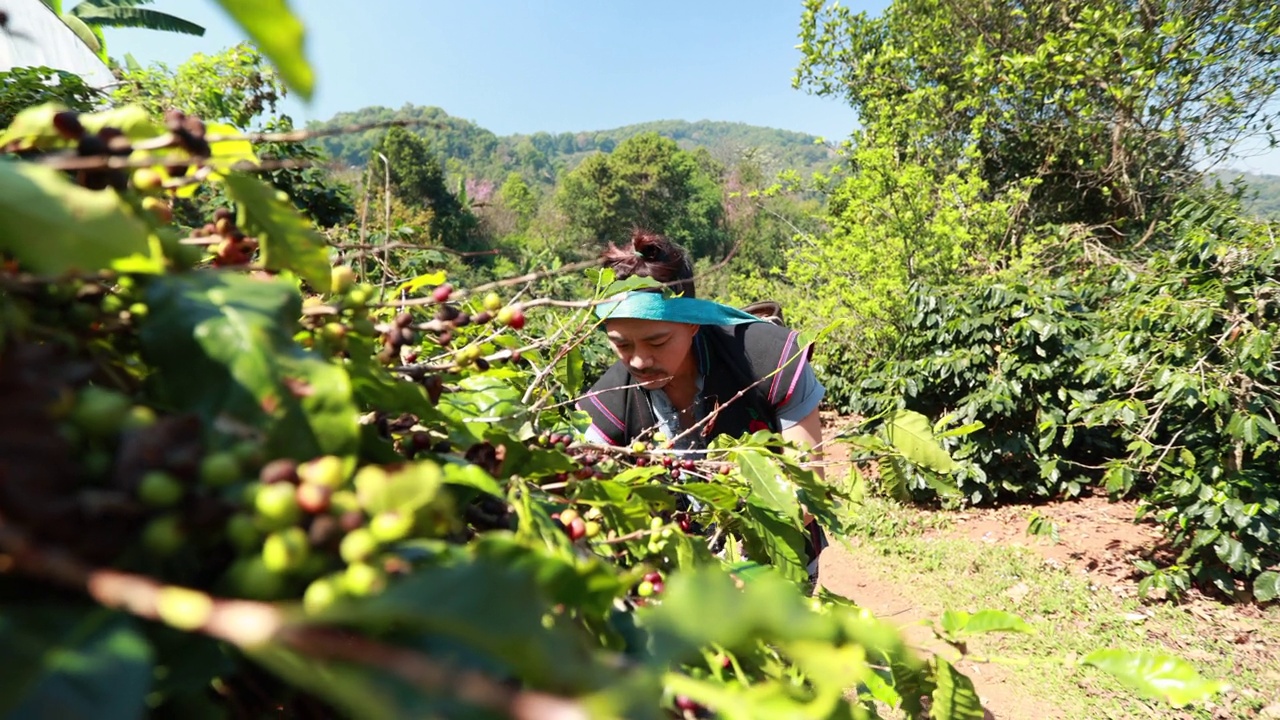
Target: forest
x: 289, y: 425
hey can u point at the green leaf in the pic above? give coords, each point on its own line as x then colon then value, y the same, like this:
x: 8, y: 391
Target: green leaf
x: 893, y: 479
x: 910, y: 434
x: 280, y: 35
x: 221, y: 343
x: 492, y: 605
x: 954, y: 697
x: 53, y: 226
x: 1266, y: 587
x: 569, y: 371
x: 287, y: 240
x: 959, y: 623
x: 72, y: 663
x: 407, y: 489
x: 1156, y: 677
x: 769, y: 485
x: 769, y: 536
x: 720, y: 497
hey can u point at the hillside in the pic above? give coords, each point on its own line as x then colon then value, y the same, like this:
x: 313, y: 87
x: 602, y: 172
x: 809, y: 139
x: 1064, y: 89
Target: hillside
x: 1262, y: 196
x: 480, y: 154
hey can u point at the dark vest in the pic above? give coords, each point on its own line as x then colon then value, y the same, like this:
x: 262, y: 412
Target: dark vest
x: 730, y: 358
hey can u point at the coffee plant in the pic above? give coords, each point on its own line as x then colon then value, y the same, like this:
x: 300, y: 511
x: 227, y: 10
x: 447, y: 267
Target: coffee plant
x: 241, y: 478
x: 1154, y: 378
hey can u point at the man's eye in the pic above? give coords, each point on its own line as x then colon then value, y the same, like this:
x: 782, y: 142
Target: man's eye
x: 660, y: 343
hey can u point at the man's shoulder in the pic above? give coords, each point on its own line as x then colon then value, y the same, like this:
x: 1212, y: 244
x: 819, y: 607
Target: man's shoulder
x: 758, y: 337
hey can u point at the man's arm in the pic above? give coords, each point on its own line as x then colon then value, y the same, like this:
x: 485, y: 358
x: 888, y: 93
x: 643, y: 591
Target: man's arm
x: 808, y: 435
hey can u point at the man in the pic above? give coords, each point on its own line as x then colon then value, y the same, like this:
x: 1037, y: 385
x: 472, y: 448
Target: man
x: 691, y: 369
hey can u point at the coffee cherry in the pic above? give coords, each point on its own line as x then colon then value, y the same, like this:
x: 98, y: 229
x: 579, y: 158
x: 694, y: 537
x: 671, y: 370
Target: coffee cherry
x: 249, y: 577
x: 577, y: 529
x: 568, y: 516
x: 658, y: 587
x: 645, y: 589
x: 159, y: 209
x: 481, y: 318
x: 441, y: 293
x: 285, y: 550
x: 492, y: 302
x: 639, y: 447
x: 147, y: 180
x: 242, y: 533
x: 404, y: 319
x: 164, y: 535
x: 391, y: 526
x: 357, y: 545
x: 321, y: 593
x: 512, y: 317
x: 325, y: 471
x: 592, y: 529
x: 68, y: 125
x: 159, y: 489
x: 282, y: 470
x: 313, y: 499
x: 277, y: 504
x: 686, y: 704
x: 341, y: 279
x: 653, y: 577
x: 99, y: 412
x: 219, y: 469
x: 361, y: 580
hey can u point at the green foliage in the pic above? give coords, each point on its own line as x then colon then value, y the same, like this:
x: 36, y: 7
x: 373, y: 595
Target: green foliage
x: 87, y: 18
x: 417, y: 178
x: 24, y: 87
x: 646, y: 182
x: 1107, y: 106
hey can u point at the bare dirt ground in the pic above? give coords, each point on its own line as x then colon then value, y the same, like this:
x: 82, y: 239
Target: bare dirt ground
x: 1101, y: 544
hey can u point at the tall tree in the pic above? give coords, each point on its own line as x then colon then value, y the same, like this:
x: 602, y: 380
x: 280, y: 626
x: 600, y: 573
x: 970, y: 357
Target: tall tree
x: 417, y: 178
x: 647, y: 181
x: 1110, y: 106
x: 88, y: 18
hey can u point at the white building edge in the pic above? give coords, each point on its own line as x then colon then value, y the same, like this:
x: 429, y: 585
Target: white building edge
x: 35, y: 37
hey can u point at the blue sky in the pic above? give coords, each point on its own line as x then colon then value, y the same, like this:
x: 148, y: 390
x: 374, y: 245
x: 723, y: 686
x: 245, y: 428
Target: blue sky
x: 554, y: 65
x: 527, y: 65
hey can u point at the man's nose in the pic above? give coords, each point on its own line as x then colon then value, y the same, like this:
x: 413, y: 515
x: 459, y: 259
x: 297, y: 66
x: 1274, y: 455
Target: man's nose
x: 640, y: 362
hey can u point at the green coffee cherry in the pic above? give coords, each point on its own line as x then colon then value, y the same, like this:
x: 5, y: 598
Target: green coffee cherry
x: 357, y: 545
x: 100, y: 412
x: 159, y: 489
x: 219, y: 469
x: 285, y: 550
x: 277, y: 504
x: 391, y: 526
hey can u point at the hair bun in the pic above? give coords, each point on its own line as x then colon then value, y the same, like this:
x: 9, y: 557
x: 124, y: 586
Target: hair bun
x: 648, y: 248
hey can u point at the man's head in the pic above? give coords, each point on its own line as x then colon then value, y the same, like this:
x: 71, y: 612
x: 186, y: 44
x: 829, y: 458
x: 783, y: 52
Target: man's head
x: 655, y: 351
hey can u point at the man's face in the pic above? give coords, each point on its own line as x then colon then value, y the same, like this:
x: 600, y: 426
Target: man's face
x: 654, y: 351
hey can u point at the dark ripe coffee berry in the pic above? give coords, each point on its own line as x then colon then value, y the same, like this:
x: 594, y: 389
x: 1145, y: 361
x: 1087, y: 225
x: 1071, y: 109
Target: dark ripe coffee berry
x: 667, y: 461
x: 67, y: 123
x: 463, y: 320
x: 442, y: 293
x: 411, y: 357
x: 688, y: 464
x: 482, y: 317
x: 482, y: 365
x: 90, y: 145
x: 577, y: 529
x: 444, y: 338
x: 173, y: 119
x: 408, y: 335
x: 404, y: 319
x: 676, y: 473
x: 653, y: 577
x: 277, y: 471
x: 194, y: 125
x: 642, y: 461
x: 583, y: 473
x: 350, y: 520
x: 446, y: 313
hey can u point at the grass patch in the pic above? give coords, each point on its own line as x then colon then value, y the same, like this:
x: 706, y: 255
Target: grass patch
x: 1072, y: 617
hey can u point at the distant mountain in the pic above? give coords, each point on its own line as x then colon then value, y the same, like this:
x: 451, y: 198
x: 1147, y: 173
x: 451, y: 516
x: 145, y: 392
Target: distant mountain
x: 1262, y: 193
x: 477, y: 153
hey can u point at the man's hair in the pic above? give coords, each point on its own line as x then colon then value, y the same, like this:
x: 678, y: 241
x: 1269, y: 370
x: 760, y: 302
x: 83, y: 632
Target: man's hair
x: 654, y: 256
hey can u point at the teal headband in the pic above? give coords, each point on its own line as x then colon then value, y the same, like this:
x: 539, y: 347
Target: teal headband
x: 644, y: 305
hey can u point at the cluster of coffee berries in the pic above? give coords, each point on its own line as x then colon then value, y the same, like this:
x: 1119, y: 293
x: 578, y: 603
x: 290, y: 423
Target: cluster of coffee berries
x: 235, y: 248
x: 652, y: 584
x: 107, y: 142
x: 578, y: 526
x: 399, y: 335
x: 188, y: 133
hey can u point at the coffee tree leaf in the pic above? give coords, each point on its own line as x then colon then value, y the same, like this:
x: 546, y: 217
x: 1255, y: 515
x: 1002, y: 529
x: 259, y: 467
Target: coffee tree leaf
x: 1266, y: 587
x: 1155, y: 676
x: 909, y: 433
x: 280, y: 35
x: 53, y: 226
x: 221, y: 344
x: 491, y: 604
x: 72, y: 664
x: 769, y: 486
x: 287, y: 240
x: 954, y: 697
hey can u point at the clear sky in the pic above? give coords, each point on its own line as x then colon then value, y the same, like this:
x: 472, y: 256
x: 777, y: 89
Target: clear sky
x: 520, y: 66
x: 528, y: 65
